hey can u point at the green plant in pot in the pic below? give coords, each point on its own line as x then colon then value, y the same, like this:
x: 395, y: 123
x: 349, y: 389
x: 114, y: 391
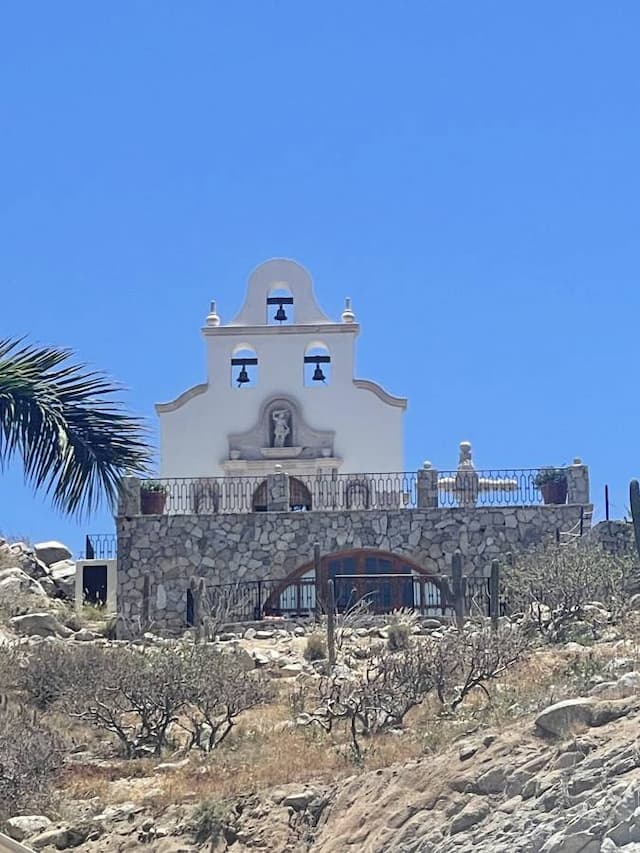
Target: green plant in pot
x: 552, y: 482
x: 152, y: 497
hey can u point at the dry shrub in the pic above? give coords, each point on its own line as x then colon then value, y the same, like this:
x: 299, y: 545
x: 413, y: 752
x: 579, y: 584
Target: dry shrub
x: 553, y: 587
x: 140, y: 694
x: 30, y: 757
x: 315, y: 648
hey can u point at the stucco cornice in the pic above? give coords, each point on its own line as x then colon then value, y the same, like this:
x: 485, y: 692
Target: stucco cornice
x: 378, y: 390
x: 180, y: 401
x: 301, y: 329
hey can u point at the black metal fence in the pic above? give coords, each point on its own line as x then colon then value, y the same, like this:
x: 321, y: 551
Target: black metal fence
x: 500, y: 487
x: 395, y: 490
x: 333, y: 491
x: 256, y: 599
x: 100, y: 546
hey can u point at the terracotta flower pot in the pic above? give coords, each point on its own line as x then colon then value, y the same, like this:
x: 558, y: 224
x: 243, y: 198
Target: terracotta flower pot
x: 152, y: 503
x: 554, y: 491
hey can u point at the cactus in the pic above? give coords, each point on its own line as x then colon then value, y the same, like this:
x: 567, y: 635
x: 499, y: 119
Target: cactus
x: 331, y: 625
x: 494, y: 594
x: 198, y: 591
x: 634, y: 497
x: 455, y: 589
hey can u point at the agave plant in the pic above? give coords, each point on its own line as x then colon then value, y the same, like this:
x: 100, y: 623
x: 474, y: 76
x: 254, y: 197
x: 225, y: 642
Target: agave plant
x: 74, y: 438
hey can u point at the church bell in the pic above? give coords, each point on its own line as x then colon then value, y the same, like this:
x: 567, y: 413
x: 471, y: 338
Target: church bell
x: 243, y: 376
x: 318, y: 375
x: 280, y: 315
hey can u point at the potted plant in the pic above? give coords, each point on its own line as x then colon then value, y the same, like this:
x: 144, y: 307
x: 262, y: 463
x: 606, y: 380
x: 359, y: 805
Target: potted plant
x: 552, y: 482
x: 152, y: 497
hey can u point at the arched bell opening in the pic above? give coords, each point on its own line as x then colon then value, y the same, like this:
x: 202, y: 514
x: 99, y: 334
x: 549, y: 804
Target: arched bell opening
x: 244, y: 367
x: 299, y: 497
x: 317, y: 366
x: 384, y: 580
x: 280, y: 308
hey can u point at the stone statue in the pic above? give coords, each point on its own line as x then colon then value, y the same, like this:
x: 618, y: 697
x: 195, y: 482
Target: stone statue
x: 281, y: 427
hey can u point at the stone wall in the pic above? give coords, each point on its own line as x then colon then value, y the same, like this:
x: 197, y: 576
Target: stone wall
x: 615, y: 536
x: 253, y: 546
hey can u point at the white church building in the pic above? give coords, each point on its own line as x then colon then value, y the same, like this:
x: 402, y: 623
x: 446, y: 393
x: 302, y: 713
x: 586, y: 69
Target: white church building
x: 281, y: 390
x: 283, y: 471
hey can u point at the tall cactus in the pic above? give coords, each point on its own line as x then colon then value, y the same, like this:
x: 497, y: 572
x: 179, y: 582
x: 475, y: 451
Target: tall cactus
x: 494, y: 594
x: 331, y: 625
x: 634, y: 496
x: 198, y: 592
x: 455, y: 589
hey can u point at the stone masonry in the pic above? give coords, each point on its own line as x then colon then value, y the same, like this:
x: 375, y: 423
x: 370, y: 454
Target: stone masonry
x: 225, y: 548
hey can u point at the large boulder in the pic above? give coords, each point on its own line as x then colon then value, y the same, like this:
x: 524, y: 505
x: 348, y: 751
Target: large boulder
x: 51, y: 552
x: 63, y: 574
x: 15, y: 580
x: 25, y: 826
x: 24, y: 557
x: 571, y: 715
x: 40, y: 625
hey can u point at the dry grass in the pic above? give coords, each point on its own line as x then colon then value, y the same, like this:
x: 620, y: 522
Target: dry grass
x: 264, y: 752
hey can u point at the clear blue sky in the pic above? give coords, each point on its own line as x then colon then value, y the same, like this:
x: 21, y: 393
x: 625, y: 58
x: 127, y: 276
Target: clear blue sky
x: 467, y: 172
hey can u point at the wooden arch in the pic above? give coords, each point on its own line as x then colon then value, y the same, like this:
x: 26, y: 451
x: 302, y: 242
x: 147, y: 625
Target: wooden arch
x: 389, y: 579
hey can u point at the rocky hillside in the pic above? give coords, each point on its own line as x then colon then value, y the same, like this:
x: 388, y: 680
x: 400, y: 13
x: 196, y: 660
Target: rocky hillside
x: 542, y: 756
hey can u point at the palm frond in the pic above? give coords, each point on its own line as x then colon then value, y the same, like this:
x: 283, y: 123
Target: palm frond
x: 67, y: 425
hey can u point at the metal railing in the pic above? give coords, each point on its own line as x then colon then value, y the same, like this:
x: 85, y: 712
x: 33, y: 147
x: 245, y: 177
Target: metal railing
x: 210, y: 495
x: 333, y: 491
x: 100, y: 546
x: 500, y: 487
x: 395, y: 490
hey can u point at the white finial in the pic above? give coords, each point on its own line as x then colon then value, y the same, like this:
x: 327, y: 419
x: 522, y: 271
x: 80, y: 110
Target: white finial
x: 212, y: 316
x: 347, y: 315
x: 426, y: 465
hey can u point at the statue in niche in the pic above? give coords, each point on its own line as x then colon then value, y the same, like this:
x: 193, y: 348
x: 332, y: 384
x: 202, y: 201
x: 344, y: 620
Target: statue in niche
x: 281, y: 428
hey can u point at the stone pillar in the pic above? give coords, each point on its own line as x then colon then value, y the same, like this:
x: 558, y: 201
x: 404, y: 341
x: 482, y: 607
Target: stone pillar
x: 129, y: 496
x: 278, y: 492
x: 427, y: 487
x: 578, y: 483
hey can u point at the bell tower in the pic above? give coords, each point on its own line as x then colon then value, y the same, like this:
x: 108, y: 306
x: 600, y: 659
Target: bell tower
x: 280, y: 387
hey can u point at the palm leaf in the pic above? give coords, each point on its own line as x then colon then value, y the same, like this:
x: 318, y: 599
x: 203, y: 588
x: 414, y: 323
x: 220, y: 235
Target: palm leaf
x: 65, y: 422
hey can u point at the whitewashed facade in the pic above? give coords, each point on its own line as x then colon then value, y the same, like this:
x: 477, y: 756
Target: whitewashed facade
x: 281, y: 416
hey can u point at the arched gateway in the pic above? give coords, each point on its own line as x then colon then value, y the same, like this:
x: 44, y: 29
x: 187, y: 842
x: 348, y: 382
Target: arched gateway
x: 386, y: 581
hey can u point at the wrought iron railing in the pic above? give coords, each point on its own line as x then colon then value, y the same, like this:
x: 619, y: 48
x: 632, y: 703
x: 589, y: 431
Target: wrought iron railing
x: 332, y: 491
x: 395, y: 490
x: 256, y: 599
x: 500, y: 487
x: 210, y: 495
x: 100, y: 546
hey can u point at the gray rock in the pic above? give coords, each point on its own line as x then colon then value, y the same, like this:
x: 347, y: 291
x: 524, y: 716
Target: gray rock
x: 40, y: 624
x: 51, y: 552
x: 50, y: 838
x: 563, y: 717
x: 25, y: 826
x: 264, y: 635
x: 476, y: 809
x: 299, y: 800
x: 629, y: 684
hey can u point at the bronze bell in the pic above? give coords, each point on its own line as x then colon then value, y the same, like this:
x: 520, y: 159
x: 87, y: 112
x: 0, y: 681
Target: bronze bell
x: 280, y: 315
x: 318, y: 375
x: 243, y: 376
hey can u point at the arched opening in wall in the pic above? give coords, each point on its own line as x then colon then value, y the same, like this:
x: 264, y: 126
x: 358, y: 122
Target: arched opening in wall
x: 385, y: 581
x: 244, y: 367
x: 280, y: 307
x: 299, y: 497
x: 317, y: 366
